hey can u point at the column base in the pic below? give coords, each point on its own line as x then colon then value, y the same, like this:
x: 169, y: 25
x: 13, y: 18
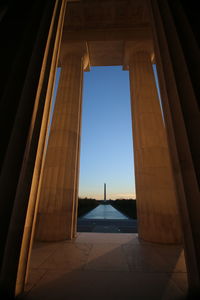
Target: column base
x: 160, y: 229
x: 51, y: 227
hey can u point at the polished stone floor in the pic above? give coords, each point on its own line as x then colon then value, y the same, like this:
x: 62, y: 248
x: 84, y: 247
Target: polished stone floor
x: 98, y: 266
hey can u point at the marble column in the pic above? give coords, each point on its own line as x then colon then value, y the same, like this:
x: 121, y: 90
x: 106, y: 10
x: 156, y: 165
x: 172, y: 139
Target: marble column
x: 76, y: 185
x: 59, y: 184
x: 155, y: 191
x: 24, y: 101
x: 29, y: 227
x: 177, y: 56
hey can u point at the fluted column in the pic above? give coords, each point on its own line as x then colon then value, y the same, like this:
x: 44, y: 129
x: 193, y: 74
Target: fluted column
x: 178, y: 57
x: 25, y: 100
x: 155, y: 191
x: 59, y: 185
x: 76, y: 185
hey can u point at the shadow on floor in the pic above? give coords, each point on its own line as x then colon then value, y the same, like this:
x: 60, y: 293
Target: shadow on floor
x: 106, y: 266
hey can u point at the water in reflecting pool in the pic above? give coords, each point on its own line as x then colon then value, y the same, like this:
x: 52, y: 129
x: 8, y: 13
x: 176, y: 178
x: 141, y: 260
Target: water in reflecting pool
x: 105, y: 212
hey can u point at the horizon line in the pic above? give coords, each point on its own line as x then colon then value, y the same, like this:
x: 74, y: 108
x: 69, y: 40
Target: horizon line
x: 120, y: 198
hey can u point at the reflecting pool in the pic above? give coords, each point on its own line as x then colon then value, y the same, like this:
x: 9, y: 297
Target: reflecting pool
x: 104, y: 211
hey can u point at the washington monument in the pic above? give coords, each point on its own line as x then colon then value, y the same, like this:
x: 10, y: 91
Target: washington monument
x: 104, y: 192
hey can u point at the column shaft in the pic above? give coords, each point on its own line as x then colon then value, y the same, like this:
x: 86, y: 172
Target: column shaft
x: 178, y: 68
x: 58, y: 189
x: 23, y: 102
x: 29, y: 228
x: 76, y: 184
x: 155, y: 191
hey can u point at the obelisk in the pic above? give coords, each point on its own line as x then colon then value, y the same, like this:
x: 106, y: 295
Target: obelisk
x: 104, y: 192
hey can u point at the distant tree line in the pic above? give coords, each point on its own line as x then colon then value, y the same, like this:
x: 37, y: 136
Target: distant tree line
x: 126, y: 206
x: 85, y: 205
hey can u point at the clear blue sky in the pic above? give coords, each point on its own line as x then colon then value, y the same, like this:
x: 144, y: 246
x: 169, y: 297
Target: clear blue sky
x: 106, y: 141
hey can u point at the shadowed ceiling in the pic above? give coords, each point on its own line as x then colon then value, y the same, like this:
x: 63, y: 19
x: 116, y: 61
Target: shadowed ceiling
x: 106, y: 25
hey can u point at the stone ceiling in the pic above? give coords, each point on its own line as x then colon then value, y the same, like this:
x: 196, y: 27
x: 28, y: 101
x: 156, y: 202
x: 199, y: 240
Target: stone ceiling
x: 106, y: 14
x: 106, y: 25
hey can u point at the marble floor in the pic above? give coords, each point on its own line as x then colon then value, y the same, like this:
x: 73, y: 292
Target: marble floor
x: 105, y: 266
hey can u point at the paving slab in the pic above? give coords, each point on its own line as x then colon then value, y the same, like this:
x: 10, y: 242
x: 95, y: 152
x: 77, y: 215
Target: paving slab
x: 106, y: 266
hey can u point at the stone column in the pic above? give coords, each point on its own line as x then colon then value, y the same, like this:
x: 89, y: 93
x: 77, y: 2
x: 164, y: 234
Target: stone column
x: 178, y: 57
x: 29, y: 227
x: 57, y: 198
x: 76, y: 185
x: 155, y: 191
x: 24, y: 102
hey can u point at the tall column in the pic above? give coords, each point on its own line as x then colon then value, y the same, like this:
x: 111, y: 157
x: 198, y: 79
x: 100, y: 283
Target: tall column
x: 27, y: 82
x: 58, y: 188
x: 178, y: 57
x: 76, y: 184
x: 155, y: 191
x: 29, y: 227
